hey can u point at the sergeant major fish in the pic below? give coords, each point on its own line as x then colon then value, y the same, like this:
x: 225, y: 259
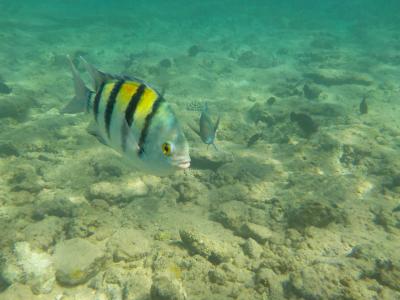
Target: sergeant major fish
x: 208, y: 129
x: 133, y: 118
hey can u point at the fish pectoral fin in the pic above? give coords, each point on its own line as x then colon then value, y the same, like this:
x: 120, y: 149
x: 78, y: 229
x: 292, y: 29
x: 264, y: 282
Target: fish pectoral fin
x: 194, y: 129
x: 130, y: 141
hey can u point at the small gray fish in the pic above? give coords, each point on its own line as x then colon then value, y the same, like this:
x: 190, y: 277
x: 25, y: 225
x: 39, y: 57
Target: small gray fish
x: 207, y: 128
x: 364, y: 106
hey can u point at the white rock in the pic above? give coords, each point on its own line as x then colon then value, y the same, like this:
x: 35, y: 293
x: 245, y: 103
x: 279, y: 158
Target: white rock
x: 37, y: 268
x: 118, y: 192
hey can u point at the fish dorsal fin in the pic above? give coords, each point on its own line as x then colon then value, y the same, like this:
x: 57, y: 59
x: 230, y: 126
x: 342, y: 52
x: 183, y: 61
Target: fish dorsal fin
x: 98, y: 76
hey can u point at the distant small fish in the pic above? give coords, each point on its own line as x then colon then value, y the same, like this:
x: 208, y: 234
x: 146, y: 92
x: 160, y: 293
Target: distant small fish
x: 364, y: 106
x: 133, y: 118
x: 305, y: 122
x: 207, y: 128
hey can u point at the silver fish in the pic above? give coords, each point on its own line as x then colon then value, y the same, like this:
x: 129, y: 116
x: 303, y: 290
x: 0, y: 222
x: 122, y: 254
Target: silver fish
x: 208, y: 129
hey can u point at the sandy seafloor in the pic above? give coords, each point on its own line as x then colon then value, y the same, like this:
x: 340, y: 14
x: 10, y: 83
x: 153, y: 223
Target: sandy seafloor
x: 290, y: 216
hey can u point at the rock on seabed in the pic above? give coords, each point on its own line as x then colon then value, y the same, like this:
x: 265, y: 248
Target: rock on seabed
x: 77, y: 260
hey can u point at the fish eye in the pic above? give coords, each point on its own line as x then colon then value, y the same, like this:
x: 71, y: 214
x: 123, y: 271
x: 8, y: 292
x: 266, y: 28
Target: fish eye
x: 167, y: 148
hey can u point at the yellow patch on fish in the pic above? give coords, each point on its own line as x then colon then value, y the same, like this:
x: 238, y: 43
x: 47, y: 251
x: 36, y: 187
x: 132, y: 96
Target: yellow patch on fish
x: 145, y: 106
x: 125, y: 94
x: 107, y: 91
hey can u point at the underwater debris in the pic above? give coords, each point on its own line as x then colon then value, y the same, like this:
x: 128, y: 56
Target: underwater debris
x: 194, y: 50
x: 271, y: 100
x: 253, y: 139
x: 8, y: 149
x: 257, y: 232
x: 364, y: 106
x: 324, y: 41
x: 249, y: 59
x: 17, y: 106
x: 198, y: 243
x: 77, y: 260
x: 165, y: 63
x: 313, y: 213
x: 311, y: 91
x: 305, y: 122
x: 392, y: 182
x: 166, y: 288
x: 128, y: 245
x: 252, y: 249
x: 4, y: 88
x: 329, y: 77
x: 259, y: 113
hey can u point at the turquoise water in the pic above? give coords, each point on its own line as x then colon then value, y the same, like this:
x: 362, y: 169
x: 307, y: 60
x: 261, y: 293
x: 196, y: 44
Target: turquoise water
x: 299, y: 200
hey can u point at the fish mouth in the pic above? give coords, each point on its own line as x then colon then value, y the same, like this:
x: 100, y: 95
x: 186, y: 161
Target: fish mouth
x: 182, y: 163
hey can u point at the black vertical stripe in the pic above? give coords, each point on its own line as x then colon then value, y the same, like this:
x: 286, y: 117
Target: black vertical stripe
x: 147, y: 123
x: 130, y: 109
x: 110, y: 105
x: 96, y: 101
x: 129, y: 113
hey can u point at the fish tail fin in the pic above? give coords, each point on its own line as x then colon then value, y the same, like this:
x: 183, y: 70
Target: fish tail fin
x: 97, y: 76
x: 82, y: 94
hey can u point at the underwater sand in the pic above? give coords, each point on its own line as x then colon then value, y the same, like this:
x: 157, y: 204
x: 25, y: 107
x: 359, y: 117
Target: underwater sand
x: 275, y: 213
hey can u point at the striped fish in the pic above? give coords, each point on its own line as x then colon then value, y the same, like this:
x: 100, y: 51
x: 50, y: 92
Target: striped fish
x: 133, y: 118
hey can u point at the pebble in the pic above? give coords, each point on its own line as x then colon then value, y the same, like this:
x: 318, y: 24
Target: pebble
x: 252, y: 249
x: 329, y: 77
x: 232, y: 214
x: 165, y: 288
x: 77, y: 260
x: 44, y: 233
x: 128, y: 245
x: 259, y: 233
x: 197, y: 243
x: 4, y: 88
x: 311, y: 91
x: 313, y: 213
x: 118, y: 192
